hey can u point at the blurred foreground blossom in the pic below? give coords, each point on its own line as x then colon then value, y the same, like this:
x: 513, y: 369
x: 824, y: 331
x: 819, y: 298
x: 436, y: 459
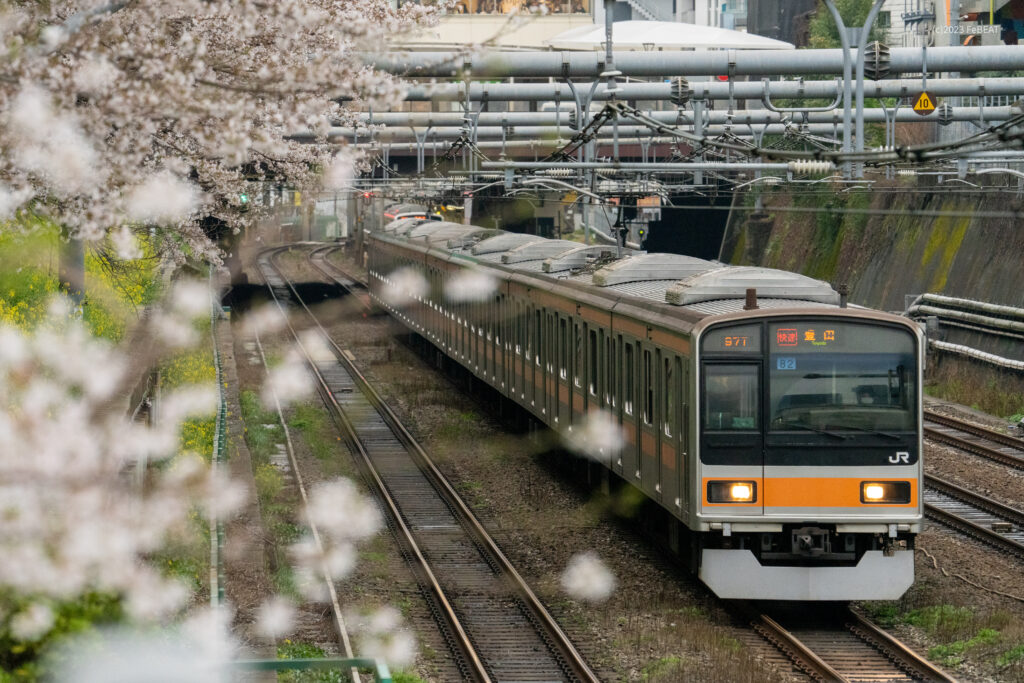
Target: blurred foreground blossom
x: 403, y: 287
x: 263, y: 320
x: 381, y: 635
x: 275, y: 618
x: 123, y: 656
x: 162, y: 198
x: 587, y: 578
x: 470, y: 285
x: 599, y: 437
x: 73, y: 521
x: 342, y: 512
x: 287, y: 383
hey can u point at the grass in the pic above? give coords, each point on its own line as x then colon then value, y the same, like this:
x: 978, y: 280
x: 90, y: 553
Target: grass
x: 319, y: 433
x: 983, y: 388
x: 300, y: 650
x: 262, y: 428
x: 990, y: 639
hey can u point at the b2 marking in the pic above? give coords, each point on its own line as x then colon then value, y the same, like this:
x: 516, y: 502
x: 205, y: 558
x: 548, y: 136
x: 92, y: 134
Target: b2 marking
x: 900, y: 457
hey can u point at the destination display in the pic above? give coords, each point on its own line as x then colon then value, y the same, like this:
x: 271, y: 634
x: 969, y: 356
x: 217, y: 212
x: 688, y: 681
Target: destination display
x: 741, y: 339
x: 806, y: 337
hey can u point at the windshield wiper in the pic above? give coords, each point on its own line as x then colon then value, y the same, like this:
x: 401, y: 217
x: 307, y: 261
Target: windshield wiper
x: 895, y: 437
x: 801, y: 425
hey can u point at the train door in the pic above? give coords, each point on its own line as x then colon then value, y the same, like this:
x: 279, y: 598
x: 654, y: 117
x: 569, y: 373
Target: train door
x: 498, y: 343
x: 649, y: 470
x: 668, y: 433
x: 578, y: 373
x: 630, y: 457
x: 538, y: 398
x: 730, y: 423
x: 564, y: 406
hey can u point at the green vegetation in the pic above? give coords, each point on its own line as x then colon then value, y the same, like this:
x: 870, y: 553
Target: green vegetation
x: 262, y: 428
x: 983, y: 388
x: 823, y: 30
x: 317, y: 431
x: 115, y: 289
x: 293, y: 650
x: 22, y: 660
x: 992, y: 638
x: 263, y: 435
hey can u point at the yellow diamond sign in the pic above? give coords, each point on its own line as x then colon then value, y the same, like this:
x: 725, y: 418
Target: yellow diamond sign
x: 925, y: 104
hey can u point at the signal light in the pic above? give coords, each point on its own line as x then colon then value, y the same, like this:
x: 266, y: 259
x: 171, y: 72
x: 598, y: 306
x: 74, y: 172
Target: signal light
x: 243, y: 198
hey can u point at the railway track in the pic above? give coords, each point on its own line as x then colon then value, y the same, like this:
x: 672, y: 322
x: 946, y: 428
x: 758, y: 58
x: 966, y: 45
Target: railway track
x: 497, y: 628
x: 843, y: 647
x: 974, y: 439
x: 838, y: 644
x: 975, y: 515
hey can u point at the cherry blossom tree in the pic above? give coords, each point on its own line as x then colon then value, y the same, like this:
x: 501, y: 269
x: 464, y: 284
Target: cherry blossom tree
x: 122, y: 114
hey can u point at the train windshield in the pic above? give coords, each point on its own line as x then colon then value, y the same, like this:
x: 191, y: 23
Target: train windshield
x: 841, y: 376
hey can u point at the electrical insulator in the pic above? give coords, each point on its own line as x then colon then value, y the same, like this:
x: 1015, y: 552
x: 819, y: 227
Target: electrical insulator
x: 810, y: 167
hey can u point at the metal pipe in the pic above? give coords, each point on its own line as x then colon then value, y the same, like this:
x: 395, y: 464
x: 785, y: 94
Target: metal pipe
x: 990, y: 358
x: 498, y: 64
x: 681, y: 167
x: 739, y: 117
x: 970, y: 304
x: 714, y: 90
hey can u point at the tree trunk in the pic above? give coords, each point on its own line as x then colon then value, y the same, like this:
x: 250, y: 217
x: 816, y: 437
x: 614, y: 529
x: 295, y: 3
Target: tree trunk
x: 71, y: 270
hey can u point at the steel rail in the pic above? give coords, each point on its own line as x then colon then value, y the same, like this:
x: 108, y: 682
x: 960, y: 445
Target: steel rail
x: 845, y: 634
x: 1010, y: 459
x: 569, y: 652
x: 912, y: 662
x: 1008, y: 513
x: 977, y: 430
x: 467, y: 650
x: 556, y: 636
x: 970, y: 528
x: 791, y: 646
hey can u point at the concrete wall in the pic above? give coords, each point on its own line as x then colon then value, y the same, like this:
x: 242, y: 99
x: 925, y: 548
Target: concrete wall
x: 895, y: 241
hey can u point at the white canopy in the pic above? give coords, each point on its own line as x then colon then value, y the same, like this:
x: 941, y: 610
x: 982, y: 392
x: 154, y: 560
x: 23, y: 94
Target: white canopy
x: 667, y: 35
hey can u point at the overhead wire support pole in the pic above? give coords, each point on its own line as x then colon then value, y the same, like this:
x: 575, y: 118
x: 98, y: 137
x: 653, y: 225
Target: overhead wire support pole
x: 844, y: 41
x: 862, y: 43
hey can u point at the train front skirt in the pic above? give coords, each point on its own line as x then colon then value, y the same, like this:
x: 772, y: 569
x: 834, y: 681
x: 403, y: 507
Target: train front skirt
x: 736, y: 574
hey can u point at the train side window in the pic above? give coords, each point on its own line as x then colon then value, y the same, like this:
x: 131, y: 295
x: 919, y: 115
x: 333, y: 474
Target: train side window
x: 592, y: 368
x: 627, y: 379
x: 669, y: 399
x: 648, y: 388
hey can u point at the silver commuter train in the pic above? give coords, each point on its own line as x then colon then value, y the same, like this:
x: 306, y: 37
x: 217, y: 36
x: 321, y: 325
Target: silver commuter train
x: 778, y: 428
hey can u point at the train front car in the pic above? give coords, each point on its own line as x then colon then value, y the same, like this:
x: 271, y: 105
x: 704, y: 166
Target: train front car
x: 809, y: 442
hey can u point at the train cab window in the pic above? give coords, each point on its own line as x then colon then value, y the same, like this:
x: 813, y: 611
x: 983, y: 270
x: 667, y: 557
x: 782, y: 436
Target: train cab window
x: 627, y: 379
x: 732, y: 397
x: 668, y: 400
x: 648, y: 390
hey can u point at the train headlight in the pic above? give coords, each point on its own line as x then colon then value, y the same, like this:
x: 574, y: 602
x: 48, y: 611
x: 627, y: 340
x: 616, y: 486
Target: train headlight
x: 732, y: 491
x: 885, y: 492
